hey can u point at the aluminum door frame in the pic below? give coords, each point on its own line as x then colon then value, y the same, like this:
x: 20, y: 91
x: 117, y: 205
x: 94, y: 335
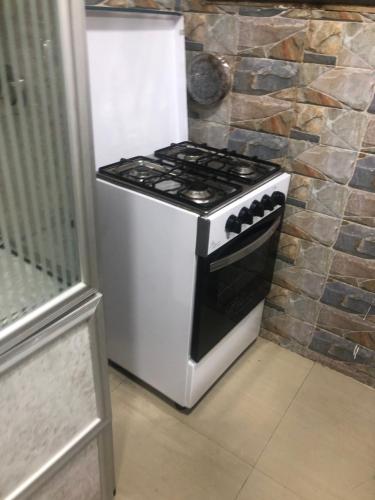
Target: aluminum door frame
x: 72, y: 35
x: 81, y: 300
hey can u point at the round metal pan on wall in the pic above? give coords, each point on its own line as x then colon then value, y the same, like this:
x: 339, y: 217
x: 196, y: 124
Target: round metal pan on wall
x: 209, y: 79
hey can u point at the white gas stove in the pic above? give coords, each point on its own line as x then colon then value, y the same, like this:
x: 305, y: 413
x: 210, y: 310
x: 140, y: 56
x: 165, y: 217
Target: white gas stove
x: 188, y: 256
x: 188, y: 241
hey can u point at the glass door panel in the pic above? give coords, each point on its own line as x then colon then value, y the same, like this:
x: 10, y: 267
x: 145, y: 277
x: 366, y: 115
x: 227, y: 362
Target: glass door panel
x: 38, y: 242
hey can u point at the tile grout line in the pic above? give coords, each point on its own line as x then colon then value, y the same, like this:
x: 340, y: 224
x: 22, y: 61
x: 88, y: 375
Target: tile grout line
x: 113, y: 389
x: 261, y: 453
x: 285, y: 412
x: 219, y: 445
x: 201, y: 434
x: 216, y: 443
x: 243, y: 484
x: 252, y: 467
x: 300, y: 497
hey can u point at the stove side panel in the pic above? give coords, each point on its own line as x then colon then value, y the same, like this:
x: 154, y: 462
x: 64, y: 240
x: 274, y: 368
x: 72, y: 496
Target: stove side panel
x: 147, y: 270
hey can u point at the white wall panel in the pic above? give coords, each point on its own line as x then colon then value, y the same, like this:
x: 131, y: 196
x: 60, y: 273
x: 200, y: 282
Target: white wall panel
x: 137, y: 81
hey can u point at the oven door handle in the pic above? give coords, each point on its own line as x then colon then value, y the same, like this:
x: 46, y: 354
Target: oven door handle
x: 240, y: 254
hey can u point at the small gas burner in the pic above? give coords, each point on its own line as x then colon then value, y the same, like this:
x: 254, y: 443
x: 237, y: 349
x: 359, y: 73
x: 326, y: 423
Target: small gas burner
x: 168, y: 185
x: 199, y: 192
x: 242, y: 169
x: 139, y: 169
x: 142, y: 172
x: 189, y: 154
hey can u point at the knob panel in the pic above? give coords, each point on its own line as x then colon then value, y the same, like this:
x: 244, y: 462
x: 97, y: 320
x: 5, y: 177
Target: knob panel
x: 257, y: 208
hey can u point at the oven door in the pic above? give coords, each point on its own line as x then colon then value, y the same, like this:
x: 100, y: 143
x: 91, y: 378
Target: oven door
x: 232, y: 281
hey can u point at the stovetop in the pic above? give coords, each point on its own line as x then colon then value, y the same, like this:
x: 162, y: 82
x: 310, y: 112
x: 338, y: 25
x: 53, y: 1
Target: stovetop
x: 193, y: 176
x: 249, y: 170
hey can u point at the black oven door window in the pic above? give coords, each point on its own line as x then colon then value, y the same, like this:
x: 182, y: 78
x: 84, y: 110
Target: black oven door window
x: 232, y: 281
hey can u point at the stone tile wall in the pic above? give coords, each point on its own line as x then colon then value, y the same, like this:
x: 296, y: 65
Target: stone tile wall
x: 303, y: 96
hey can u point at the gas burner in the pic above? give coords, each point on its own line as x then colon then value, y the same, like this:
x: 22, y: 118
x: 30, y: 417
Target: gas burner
x: 242, y: 169
x: 142, y: 172
x: 189, y: 154
x: 199, y: 192
x: 217, y: 164
x: 168, y: 185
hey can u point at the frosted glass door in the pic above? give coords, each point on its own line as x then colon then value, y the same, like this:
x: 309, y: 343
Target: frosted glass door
x: 38, y: 242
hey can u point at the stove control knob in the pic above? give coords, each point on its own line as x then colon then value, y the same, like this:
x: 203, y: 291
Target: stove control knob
x: 278, y: 198
x: 256, y: 208
x: 268, y: 203
x: 245, y: 216
x: 233, y: 225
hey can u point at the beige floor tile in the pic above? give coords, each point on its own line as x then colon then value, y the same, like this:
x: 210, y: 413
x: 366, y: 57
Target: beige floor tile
x: 160, y: 458
x: 241, y: 412
x: 261, y: 487
x: 324, y: 448
x: 364, y: 491
x: 115, y: 378
x: 243, y: 409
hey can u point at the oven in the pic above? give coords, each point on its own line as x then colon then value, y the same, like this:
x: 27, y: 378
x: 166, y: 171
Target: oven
x: 232, y: 280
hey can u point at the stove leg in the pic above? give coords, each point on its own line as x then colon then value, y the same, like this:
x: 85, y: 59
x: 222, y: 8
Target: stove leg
x: 180, y: 408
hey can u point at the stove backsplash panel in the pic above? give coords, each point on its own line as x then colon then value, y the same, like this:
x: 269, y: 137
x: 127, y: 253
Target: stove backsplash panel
x: 303, y: 96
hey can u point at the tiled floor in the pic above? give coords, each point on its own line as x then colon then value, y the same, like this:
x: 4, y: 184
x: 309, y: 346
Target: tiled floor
x: 276, y: 427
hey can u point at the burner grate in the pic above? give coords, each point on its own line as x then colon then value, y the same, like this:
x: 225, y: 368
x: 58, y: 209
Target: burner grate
x: 249, y: 170
x: 192, y: 175
x: 180, y: 182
